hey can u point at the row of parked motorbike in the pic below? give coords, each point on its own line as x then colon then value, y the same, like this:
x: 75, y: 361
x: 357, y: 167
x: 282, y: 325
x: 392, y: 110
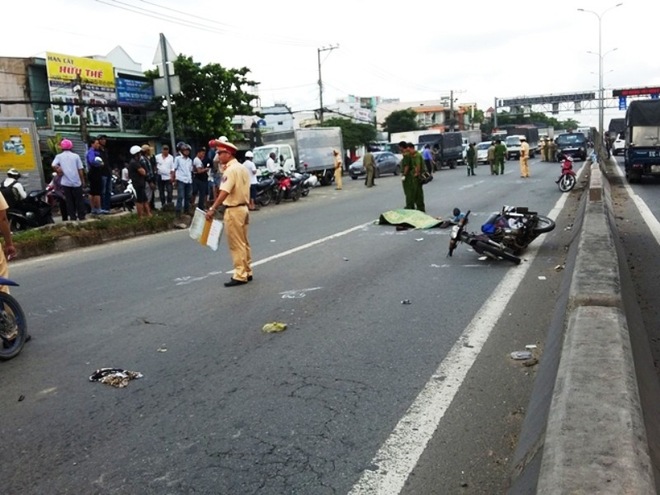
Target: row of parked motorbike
x: 282, y: 185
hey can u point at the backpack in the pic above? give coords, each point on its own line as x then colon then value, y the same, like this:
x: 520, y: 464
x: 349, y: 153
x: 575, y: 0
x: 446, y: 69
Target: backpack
x: 10, y: 194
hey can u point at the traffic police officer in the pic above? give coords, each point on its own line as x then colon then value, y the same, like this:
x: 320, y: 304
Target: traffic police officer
x: 235, y: 196
x: 524, y: 157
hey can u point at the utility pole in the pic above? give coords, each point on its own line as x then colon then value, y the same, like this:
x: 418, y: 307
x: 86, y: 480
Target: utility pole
x: 168, y: 93
x: 318, y: 53
x: 495, y: 113
x: 78, y: 89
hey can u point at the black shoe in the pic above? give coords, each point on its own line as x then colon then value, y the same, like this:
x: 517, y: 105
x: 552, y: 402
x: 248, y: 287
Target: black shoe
x: 232, y: 282
x: 250, y: 278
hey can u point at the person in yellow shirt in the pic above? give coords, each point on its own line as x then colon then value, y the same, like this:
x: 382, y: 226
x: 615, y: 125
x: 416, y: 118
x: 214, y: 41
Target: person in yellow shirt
x: 338, y: 170
x: 524, y: 158
x: 235, y: 196
x: 8, y: 248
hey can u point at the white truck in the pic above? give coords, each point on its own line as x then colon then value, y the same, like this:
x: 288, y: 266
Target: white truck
x: 411, y: 136
x: 308, y: 149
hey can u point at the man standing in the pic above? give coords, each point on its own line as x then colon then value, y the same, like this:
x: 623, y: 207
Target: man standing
x: 524, y: 158
x: 500, y: 154
x: 69, y: 165
x: 235, y: 196
x: 416, y: 168
x: 252, y: 170
x: 165, y: 166
x: 95, y: 176
x: 338, y: 170
x: 137, y: 173
x: 369, y: 167
x: 428, y: 158
x: 491, y: 158
x: 182, y: 177
x: 406, y: 176
x: 471, y: 159
x: 271, y: 164
x: 200, y: 179
x: 106, y: 174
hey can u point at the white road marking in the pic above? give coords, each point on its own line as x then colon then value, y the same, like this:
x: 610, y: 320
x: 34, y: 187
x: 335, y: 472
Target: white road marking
x: 648, y: 217
x: 400, y: 453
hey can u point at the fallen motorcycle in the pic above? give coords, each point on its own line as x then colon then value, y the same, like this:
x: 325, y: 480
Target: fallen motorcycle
x: 13, y: 325
x: 504, y: 235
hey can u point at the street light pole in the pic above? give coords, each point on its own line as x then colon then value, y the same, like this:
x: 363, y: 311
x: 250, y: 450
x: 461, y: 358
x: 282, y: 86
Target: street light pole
x: 601, y: 97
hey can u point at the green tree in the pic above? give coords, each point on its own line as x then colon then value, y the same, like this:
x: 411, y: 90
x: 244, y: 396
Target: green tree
x: 353, y: 134
x: 210, y: 96
x: 401, y: 121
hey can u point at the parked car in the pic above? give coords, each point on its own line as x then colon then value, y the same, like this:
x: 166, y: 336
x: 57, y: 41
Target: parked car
x: 619, y: 144
x: 386, y: 163
x: 482, y: 151
x: 573, y: 144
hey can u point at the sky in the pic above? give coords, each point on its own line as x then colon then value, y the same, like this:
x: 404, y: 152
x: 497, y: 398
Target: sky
x: 419, y: 50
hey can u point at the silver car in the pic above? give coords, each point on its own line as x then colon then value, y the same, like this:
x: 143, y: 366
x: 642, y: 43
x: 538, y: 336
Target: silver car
x: 386, y: 163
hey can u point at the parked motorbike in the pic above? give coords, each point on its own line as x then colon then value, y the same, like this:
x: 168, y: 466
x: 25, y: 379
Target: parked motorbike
x: 33, y: 211
x: 567, y: 179
x: 124, y: 199
x: 13, y: 325
x: 266, y: 188
x: 287, y: 187
x: 305, y: 180
x: 504, y: 235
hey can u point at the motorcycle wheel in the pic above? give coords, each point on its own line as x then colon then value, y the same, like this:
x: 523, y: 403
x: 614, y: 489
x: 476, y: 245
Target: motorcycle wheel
x: 266, y: 198
x: 305, y: 191
x: 278, y: 198
x: 296, y: 195
x: 49, y: 219
x: 17, y: 225
x: 500, y: 253
x: 543, y: 225
x: 12, y: 314
x: 566, y: 183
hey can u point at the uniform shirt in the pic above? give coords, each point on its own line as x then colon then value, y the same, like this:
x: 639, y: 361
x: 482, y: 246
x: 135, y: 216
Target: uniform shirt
x: 3, y: 203
x: 183, y: 169
x: 252, y: 170
x: 165, y: 165
x: 524, y: 150
x: 236, y: 182
x: 416, y: 162
x: 368, y: 160
x: 500, y: 151
x: 70, y: 163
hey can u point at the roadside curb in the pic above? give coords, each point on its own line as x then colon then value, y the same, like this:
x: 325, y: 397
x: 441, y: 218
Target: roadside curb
x: 595, y: 439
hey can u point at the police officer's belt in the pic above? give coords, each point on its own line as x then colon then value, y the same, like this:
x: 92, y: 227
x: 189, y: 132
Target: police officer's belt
x: 234, y: 206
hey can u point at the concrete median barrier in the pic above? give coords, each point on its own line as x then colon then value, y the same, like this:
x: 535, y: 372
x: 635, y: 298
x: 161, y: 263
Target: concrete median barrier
x: 589, y: 434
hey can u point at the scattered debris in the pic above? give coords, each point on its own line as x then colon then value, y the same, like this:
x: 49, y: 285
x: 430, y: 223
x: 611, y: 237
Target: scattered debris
x: 406, y: 301
x: 162, y: 349
x: 542, y: 277
x: 483, y: 258
x: 274, y: 327
x: 559, y: 268
x: 115, y: 377
x: 529, y: 347
x: 420, y: 239
x: 21, y: 398
x: 521, y: 355
x: 345, y: 259
x: 531, y: 362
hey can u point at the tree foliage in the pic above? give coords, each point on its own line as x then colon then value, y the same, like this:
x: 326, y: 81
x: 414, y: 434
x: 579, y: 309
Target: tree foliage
x: 210, y: 97
x: 401, y: 121
x: 353, y: 134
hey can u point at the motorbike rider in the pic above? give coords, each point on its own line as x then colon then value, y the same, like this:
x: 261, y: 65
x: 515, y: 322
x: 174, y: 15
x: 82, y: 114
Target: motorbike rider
x: 11, y: 184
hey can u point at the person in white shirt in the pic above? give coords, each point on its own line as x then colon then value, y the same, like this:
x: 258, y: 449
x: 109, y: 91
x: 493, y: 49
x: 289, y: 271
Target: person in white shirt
x: 69, y: 165
x: 164, y: 167
x: 252, y: 169
x: 182, y: 177
x: 271, y: 164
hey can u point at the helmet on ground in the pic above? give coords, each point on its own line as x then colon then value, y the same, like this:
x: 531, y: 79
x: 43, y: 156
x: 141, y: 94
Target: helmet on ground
x: 66, y: 144
x: 98, y: 160
x: 135, y: 149
x: 13, y: 173
x: 248, y: 154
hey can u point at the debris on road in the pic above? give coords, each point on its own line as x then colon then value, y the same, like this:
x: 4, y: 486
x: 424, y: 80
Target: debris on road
x: 274, y: 327
x: 521, y: 355
x: 542, y: 277
x: 559, y: 268
x: 115, y: 377
x: 406, y: 301
x: 529, y: 347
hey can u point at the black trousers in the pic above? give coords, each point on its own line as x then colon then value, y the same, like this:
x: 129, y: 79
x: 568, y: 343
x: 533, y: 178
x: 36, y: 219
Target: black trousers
x: 75, y: 204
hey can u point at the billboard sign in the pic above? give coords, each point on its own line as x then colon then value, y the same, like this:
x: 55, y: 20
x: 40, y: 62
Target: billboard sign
x: 68, y: 78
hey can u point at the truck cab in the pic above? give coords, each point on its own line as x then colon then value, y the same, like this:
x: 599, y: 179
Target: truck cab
x: 512, y: 144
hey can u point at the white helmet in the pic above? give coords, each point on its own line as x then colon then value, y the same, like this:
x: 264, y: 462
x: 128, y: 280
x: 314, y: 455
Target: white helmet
x: 248, y: 154
x: 135, y: 149
x: 98, y: 160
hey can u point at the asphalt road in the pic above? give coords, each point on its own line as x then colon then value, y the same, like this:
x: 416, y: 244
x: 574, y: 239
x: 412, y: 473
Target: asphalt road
x: 226, y: 408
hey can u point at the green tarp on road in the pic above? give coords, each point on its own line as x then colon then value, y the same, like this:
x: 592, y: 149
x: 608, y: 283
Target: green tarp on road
x: 410, y: 218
